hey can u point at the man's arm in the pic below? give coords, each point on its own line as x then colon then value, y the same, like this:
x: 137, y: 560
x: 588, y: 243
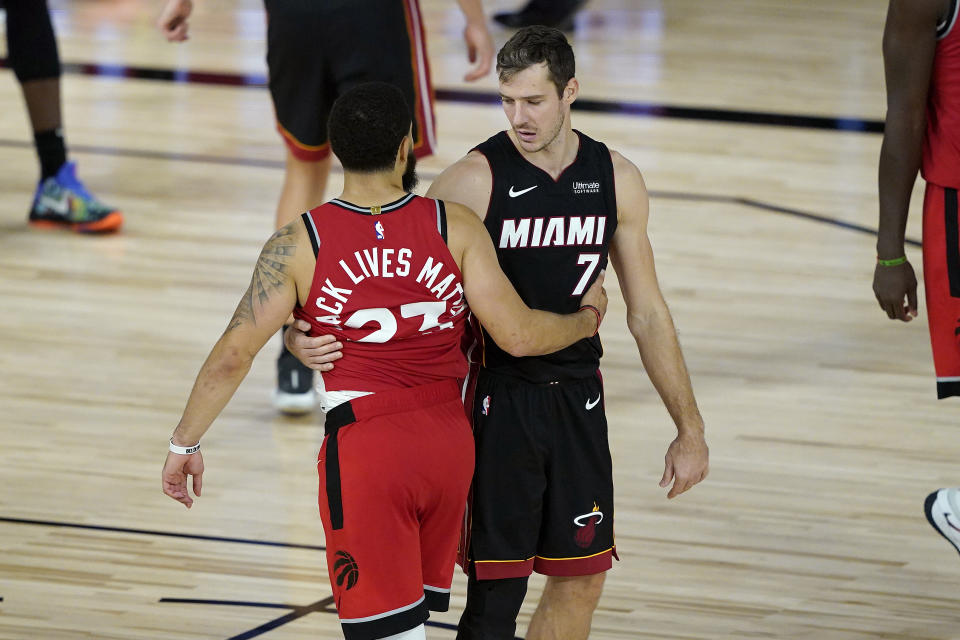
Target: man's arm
x: 909, y: 42
x: 262, y: 310
x: 478, y: 39
x: 649, y: 321
x: 516, y: 328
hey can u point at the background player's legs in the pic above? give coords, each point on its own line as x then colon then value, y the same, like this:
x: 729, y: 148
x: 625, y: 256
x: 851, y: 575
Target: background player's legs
x: 492, y: 608
x: 566, y: 608
x: 61, y: 199
x: 296, y: 59
x: 304, y: 183
x: 43, y: 106
x: 303, y: 186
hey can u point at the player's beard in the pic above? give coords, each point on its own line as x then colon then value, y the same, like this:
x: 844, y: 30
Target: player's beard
x: 410, y: 178
x: 554, y: 134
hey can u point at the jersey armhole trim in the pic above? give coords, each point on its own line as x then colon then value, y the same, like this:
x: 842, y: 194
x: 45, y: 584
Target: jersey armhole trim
x: 946, y: 26
x: 492, y: 184
x: 613, y: 178
x: 312, y: 232
x: 442, y: 220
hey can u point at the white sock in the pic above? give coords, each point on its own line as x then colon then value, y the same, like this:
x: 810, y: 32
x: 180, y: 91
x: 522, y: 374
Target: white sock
x: 417, y: 633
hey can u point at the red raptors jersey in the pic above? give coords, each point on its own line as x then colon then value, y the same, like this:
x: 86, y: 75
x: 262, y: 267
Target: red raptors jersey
x: 941, y: 145
x: 387, y: 287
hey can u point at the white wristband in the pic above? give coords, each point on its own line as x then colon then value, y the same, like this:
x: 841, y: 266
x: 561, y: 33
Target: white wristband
x: 184, y: 451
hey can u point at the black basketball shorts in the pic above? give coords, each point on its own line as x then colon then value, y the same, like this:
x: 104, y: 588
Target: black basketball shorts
x: 542, y: 497
x: 318, y: 49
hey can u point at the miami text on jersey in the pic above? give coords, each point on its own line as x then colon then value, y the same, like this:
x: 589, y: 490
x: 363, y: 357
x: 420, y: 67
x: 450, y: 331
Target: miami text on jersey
x: 552, y: 232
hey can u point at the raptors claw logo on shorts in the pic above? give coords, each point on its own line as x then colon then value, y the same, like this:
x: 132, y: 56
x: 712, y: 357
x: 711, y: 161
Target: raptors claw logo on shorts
x: 587, y: 527
x: 346, y: 570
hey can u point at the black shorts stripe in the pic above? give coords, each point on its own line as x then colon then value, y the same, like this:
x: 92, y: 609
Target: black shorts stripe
x: 946, y: 25
x: 951, y: 230
x: 437, y: 600
x: 948, y: 389
x: 387, y: 626
x: 339, y: 416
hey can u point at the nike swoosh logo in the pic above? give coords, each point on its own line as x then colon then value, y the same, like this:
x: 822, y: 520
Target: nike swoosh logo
x: 60, y: 206
x: 946, y: 516
x: 591, y: 405
x: 514, y: 194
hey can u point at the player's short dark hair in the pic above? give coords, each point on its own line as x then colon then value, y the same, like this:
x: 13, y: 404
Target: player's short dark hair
x: 533, y: 45
x: 366, y: 126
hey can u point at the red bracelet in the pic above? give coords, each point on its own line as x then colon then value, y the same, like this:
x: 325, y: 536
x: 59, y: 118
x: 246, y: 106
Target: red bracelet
x: 596, y: 311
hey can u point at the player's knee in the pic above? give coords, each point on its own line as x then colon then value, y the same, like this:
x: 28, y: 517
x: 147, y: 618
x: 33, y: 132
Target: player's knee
x: 576, y: 590
x: 492, y: 608
x: 32, y: 46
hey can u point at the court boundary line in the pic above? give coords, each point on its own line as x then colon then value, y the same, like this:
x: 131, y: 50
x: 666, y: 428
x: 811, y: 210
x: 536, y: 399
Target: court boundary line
x: 851, y: 124
x: 752, y: 203
x: 152, y: 532
x: 297, y: 611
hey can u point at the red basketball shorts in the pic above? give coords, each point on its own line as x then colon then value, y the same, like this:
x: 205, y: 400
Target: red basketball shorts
x: 941, y: 270
x: 395, y: 468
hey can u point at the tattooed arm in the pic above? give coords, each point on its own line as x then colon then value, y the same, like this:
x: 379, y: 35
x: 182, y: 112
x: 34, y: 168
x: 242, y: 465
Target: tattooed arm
x: 285, y: 260
x: 262, y: 310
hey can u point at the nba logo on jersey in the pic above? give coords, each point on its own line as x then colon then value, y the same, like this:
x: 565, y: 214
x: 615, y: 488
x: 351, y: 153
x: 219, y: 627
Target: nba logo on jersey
x: 379, y: 229
x: 485, y: 406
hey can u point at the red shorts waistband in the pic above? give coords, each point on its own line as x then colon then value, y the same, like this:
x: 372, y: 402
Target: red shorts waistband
x: 392, y: 401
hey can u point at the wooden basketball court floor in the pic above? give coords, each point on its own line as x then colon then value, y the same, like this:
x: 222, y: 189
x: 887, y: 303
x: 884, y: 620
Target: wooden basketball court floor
x: 821, y: 414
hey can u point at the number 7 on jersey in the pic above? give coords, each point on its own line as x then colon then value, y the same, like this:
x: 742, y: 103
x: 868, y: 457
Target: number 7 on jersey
x: 591, y: 260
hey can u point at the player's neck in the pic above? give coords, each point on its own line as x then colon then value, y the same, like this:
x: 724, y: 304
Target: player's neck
x: 371, y: 189
x: 556, y: 156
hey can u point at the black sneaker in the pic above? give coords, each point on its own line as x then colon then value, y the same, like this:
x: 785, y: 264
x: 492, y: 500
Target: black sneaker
x: 294, y: 394
x: 548, y: 13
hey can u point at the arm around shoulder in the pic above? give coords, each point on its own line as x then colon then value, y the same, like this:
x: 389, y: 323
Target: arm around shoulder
x: 517, y: 329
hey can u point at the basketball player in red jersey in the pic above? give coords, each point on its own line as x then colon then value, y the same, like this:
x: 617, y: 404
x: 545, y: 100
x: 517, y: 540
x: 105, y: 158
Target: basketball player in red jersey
x: 554, y: 202
x: 921, y: 53
x: 388, y: 273
x: 316, y: 50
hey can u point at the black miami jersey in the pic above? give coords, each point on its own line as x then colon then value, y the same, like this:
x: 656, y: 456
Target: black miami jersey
x: 552, y: 238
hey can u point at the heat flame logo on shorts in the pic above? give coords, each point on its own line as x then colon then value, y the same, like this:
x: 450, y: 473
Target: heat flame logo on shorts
x: 587, y: 527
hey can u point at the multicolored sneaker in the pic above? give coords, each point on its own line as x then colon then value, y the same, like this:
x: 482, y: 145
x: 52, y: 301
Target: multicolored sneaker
x: 63, y: 202
x: 943, y: 512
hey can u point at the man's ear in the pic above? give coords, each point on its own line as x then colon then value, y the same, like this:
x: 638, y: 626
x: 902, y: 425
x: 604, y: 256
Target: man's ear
x: 571, y: 91
x: 404, y: 151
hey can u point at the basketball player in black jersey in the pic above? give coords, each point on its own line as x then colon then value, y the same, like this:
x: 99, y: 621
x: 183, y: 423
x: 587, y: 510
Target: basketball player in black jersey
x: 554, y: 202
